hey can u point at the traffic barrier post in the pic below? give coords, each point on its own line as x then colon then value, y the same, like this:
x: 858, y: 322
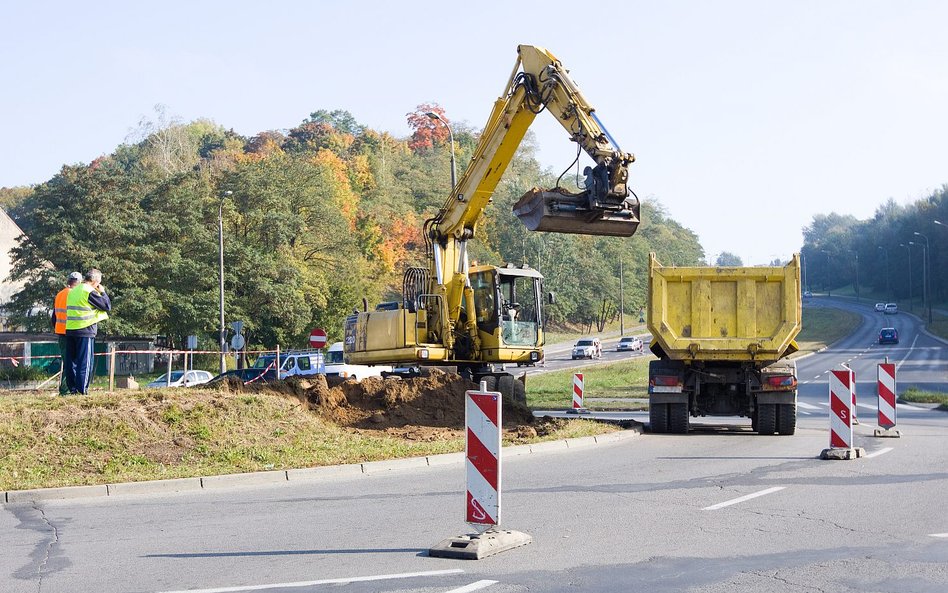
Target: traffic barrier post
x: 579, y: 388
x: 852, y: 383
x: 887, y: 407
x: 483, y: 420
x: 842, y: 402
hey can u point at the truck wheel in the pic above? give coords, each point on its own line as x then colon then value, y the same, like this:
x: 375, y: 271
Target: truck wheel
x: 658, y: 417
x: 678, y: 418
x: 766, y: 419
x: 512, y: 389
x: 787, y: 418
x: 754, y: 421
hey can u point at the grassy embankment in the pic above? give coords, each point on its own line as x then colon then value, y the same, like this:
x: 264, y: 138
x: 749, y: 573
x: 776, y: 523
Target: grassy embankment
x: 624, y: 385
x: 174, y: 433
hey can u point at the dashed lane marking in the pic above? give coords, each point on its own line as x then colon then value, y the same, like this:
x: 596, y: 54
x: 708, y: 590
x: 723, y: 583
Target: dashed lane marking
x: 342, y: 581
x: 879, y: 452
x: 807, y: 406
x: 728, y: 503
x: 938, y: 534
x: 476, y: 586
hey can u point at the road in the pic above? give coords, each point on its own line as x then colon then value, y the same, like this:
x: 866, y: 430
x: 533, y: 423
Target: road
x: 718, y: 510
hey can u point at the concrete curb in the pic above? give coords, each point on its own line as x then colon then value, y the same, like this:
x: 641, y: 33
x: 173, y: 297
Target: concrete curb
x: 294, y: 476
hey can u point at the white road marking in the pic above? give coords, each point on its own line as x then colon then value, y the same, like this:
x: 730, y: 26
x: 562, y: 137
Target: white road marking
x: 866, y: 406
x: 807, y: 406
x: 473, y: 587
x: 907, y: 354
x: 342, y: 581
x: 804, y: 412
x: 728, y: 503
x: 938, y: 534
x: 818, y: 376
x: 879, y: 452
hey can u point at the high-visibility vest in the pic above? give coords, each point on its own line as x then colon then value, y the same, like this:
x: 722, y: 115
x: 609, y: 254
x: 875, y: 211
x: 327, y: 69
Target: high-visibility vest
x: 79, y: 313
x: 59, y: 310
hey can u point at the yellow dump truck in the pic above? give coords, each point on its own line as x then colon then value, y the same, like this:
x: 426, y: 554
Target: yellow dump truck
x: 721, y: 335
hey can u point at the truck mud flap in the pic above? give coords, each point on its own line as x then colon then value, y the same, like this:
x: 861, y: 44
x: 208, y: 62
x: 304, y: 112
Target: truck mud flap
x: 562, y: 212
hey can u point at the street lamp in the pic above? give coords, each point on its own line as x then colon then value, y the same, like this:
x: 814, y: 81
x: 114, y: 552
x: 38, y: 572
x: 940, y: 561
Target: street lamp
x: 454, y: 173
x: 927, y: 273
x: 911, y: 299
x: 220, y: 230
x: 806, y: 287
x: 924, y: 273
x: 939, y: 223
x: 885, y: 252
x: 857, y: 276
x: 829, y: 291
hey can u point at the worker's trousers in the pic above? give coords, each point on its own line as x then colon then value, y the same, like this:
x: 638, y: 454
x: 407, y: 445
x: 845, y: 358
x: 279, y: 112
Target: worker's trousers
x: 81, y: 363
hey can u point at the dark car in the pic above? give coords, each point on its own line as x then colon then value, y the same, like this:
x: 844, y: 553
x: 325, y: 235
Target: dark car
x: 246, y: 376
x: 889, y: 335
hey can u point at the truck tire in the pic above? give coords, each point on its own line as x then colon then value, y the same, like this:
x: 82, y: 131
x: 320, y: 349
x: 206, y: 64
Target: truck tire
x: 512, y: 389
x: 786, y: 418
x: 658, y: 417
x: 766, y: 419
x: 678, y: 418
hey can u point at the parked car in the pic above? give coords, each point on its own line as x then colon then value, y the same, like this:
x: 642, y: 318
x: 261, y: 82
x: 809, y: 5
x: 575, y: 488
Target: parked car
x: 182, y: 379
x: 807, y: 294
x: 889, y: 335
x: 880, y: 307
x: 587, y: 348
x: 629, y: 344
x: 891, y: 308
x: 293, y: 362
x: 248, y: 375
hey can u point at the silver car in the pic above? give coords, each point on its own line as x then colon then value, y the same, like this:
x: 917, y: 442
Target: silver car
x: 629, y: 344
x: 587, y: 348
x: 182, y: 379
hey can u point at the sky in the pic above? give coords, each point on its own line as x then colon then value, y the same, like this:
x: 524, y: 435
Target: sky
x: 747, y: 118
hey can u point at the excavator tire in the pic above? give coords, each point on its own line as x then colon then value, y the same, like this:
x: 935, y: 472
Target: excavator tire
x: 511, y: 389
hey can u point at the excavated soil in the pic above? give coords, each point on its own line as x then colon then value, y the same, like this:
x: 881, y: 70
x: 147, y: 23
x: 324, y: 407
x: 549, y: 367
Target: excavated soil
x: 416, y: 408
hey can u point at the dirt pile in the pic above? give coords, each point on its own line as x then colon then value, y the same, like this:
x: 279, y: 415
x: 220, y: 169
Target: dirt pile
x: 435, y: 400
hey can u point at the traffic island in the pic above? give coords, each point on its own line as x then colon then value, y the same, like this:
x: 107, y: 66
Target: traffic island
x: 837, y: 453
x: 480, y: 545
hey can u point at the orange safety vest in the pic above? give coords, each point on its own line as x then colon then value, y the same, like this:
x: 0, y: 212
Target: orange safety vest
x: 59, y: 309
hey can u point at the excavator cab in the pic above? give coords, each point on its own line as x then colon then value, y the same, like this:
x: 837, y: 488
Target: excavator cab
x: 507, y: 308
x: 604, y: 208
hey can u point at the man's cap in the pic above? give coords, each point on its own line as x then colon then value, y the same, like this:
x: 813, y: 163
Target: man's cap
x: 75, y: 276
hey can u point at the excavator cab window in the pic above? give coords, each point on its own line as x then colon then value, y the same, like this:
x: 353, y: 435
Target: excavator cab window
x: 519, y: 309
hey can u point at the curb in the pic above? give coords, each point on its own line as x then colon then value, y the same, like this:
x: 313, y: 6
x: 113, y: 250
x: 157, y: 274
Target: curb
x: 269, y: 478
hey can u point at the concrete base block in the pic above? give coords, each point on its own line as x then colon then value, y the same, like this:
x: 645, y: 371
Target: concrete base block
x: 853, y: 453
x: 889, y: 433
x: 476, y: 546
x: 578, y: 411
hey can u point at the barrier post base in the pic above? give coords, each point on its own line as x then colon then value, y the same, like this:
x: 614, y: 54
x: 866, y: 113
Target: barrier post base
x: 577, y: 411
x: 836, y: 453
x: 480, y: 545
x: 890, y: 433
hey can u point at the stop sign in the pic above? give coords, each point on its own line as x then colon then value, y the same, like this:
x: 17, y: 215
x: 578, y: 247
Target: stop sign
x: 317, y: 338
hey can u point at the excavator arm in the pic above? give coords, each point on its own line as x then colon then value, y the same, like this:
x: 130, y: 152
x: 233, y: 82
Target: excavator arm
x: 540, y: 82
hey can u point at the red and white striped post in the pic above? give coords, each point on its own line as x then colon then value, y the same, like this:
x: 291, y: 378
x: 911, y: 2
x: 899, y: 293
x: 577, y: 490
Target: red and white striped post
x: 482, y: 415
x: 842, y: 401
x: 579, y: 388
x: 887, y: 408
x: 483, y: 421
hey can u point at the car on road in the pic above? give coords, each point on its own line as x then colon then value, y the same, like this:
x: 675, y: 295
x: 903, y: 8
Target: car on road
x: 807, y: 294
x: 891, y: 308
x: 293, y: 362
x: 248, y: 375
x: 182, y: 379
x: 880, y: 307
x: 889, y: 335
x: 629, y: 344
x: 587, y: 348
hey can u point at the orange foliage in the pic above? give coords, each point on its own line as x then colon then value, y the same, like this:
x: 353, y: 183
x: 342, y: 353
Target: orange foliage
x: 427, y: 131
x: 348, y: 199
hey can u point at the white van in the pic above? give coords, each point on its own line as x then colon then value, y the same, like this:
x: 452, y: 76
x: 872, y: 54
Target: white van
x: 292, y: 363
x: 336, y: 366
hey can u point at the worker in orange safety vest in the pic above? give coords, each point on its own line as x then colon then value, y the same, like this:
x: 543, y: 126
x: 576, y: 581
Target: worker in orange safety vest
x: 59, y: 321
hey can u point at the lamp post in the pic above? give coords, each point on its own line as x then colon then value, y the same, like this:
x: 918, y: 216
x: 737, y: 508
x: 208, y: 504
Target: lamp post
x: 939, y: 223
x: 857, y: 276
x: 909, y: 271
x: 806, y: 287
x: 220, y: 230
x: 454, y: 173
x: 926, y: 274
x: 829, y: 291
x: 885, y: 253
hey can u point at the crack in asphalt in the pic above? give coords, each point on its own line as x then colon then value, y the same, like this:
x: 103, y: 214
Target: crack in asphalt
x: 49, y: 546
x: 775, y: 576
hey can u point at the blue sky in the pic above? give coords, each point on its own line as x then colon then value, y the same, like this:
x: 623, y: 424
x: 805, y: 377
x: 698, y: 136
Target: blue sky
x: 747, y: 118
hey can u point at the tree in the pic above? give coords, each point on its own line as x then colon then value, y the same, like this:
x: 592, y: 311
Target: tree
x: 726, y: 258
x: 426, y: 131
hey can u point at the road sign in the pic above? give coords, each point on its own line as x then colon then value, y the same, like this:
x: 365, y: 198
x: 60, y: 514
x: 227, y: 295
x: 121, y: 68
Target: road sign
x: 237, y: 342
x: 317, y: 338
x: 887, y: 396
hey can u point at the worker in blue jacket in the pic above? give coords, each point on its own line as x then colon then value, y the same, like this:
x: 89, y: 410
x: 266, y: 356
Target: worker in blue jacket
x: 86, y: 305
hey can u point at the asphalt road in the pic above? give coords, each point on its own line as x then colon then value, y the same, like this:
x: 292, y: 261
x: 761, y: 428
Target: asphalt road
x: 718, y: 510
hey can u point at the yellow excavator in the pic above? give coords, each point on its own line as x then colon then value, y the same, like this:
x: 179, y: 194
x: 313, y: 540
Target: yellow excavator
x: 482, y: 318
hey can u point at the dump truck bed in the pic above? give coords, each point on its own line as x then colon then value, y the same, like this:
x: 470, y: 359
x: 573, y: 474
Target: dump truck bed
x: 724, y: 313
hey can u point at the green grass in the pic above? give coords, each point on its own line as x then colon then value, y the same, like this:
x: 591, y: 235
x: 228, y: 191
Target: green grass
x: 925, y: 397
x: 626, y: 379
x: 132, y: 436
x: 824, y: 325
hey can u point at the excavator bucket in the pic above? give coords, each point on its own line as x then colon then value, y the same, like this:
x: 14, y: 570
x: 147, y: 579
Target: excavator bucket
x: 559, y: 211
